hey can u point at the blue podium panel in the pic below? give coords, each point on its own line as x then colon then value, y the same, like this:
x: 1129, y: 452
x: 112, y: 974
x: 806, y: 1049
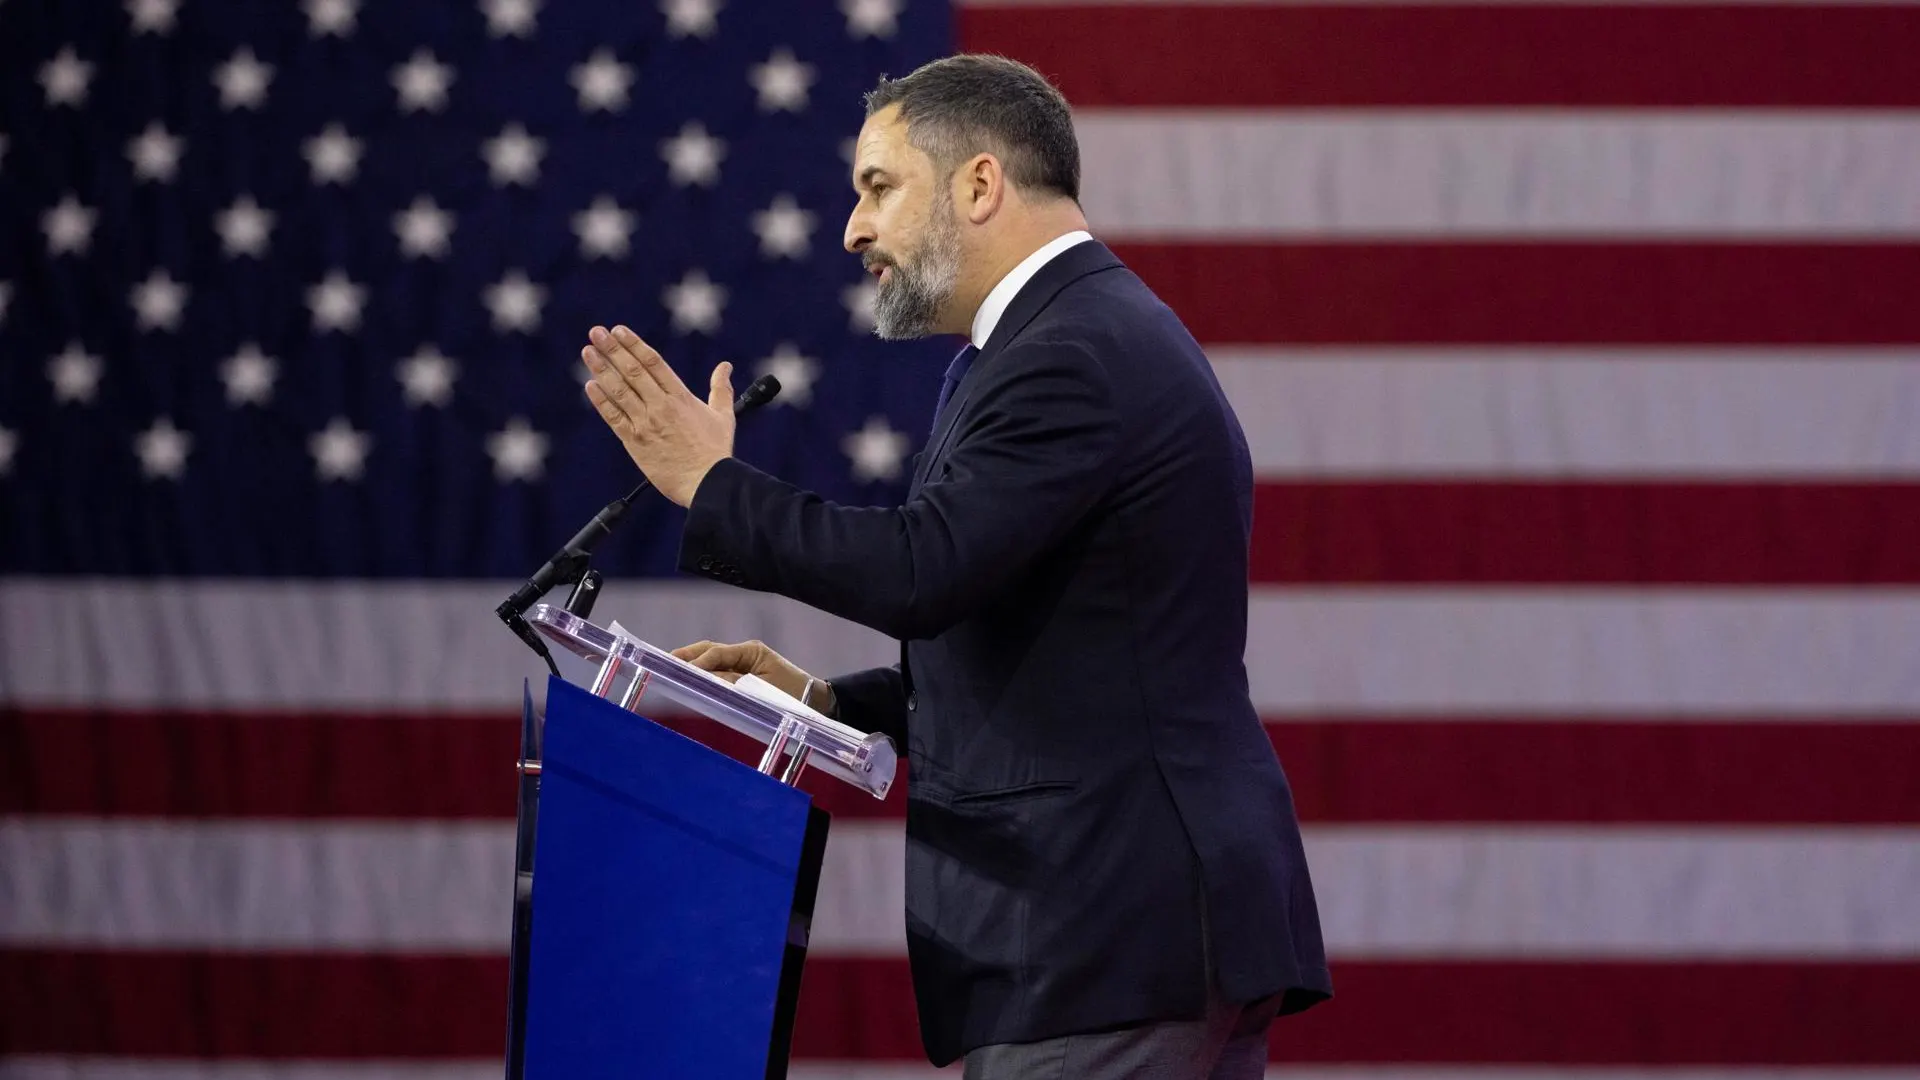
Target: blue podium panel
x: 661, y: 903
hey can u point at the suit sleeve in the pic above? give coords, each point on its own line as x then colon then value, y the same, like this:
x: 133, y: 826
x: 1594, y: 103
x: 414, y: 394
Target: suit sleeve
x: 874, y: 700
x: 1037, y: 451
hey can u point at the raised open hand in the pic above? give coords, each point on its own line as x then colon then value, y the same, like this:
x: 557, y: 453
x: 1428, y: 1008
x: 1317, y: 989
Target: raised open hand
x: 673, y: 436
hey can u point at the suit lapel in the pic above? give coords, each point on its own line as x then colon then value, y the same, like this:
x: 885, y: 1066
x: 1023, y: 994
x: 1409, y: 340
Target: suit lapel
x: 1069, y: 266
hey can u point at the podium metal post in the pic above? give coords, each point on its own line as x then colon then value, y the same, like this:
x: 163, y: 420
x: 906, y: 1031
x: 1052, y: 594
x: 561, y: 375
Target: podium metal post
x: 526, y: 826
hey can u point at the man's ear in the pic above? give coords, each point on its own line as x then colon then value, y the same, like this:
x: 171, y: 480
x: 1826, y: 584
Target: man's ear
x: 983, y: 186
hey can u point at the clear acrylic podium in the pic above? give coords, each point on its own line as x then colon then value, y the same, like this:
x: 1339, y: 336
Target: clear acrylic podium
x: 676, y: 884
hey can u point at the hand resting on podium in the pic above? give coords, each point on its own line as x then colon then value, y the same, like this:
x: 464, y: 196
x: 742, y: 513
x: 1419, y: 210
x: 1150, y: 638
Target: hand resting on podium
x: 730, y: 662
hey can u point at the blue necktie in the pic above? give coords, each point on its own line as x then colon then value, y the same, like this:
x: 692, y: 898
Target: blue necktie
x: 955, y: 372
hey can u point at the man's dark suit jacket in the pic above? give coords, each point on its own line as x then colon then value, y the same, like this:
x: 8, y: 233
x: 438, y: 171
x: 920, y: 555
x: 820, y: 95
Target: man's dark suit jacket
x: 1087, y: 777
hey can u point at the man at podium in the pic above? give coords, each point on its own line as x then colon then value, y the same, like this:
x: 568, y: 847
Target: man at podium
x: 1104, y: 871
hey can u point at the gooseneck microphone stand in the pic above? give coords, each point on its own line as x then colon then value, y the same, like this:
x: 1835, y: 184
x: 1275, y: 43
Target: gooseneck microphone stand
x: 568, y: 566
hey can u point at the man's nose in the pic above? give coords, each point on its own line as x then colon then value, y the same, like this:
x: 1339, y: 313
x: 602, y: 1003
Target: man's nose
x: 859, y: 234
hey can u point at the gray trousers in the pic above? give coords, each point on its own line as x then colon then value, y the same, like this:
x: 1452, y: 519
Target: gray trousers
x: 1229, y: 1043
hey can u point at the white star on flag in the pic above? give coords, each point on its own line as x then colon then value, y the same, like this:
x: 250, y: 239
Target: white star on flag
x: 331, y: 18
x: 796, y: 373
x: 510, y: 18
x: 871, y: 18
x: 518, y: 451
x: 336, y: 302
x: 515, y: 303
x: 693, y: 156
x: 9, y: 445
x: 690, y: 18
x: 695, y: 302
x: 859, y: 299
x: 65, y: 78
x: 244, y: 228
x: 69, y: 227
x: 158, y: 301
x: 249, y: 375
x: 75, y: 374
x: 152, y: 16
x: 426, y: 377
x: 163, y: 450
x: 513, y: 156
x: 339, y: 452
x: 785, y: 229
x: 333, y: 156
x: 605, y: 230
x: 424, y: 229
x: 782, y: 82
x: 602, y: 82
x: 243, y: 81
x: 422, y: 82
x: 155, y: 154
x: 876, y: 450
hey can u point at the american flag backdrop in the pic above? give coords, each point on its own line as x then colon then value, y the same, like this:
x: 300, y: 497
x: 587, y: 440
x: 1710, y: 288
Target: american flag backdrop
x: 1578, y: 348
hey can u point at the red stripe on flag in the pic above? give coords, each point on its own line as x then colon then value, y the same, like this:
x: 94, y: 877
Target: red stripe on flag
x: 1543, y: 293
x: 295, y: 1005
x: 1586, y: 533
x: 1622, y: 770
x: 305, y: 766
x: 257, y: 764
x: 1501, y: 55
x: 1600, y: 771
x: 1500, y: 1012
x: 252, y: 1005
x: 1614, y: 1013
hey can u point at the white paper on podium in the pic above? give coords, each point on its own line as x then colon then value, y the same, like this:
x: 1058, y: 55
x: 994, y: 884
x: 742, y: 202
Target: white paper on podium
x: 755, y: 686
x: 682, y: 665
x: 759, y: 689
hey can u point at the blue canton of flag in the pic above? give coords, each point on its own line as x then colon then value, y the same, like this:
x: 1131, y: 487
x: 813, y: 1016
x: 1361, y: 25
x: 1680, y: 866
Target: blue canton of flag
x: 300, y: 289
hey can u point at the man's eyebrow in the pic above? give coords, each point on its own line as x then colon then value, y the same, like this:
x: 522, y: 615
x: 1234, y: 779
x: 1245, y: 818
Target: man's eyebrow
x: 867, y: 174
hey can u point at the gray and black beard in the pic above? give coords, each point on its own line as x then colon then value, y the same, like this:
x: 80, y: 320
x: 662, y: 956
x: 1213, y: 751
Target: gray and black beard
x: 908, y: 302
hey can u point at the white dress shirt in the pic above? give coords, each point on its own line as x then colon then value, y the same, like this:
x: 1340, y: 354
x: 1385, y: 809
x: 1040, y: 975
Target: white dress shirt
x: 1002, y: 294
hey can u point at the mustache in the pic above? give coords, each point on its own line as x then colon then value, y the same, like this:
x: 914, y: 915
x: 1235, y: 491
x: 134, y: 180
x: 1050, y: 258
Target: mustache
x: 873, y: 263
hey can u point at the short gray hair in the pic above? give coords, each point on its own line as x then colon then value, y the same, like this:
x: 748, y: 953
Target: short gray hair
x: 959, y: 106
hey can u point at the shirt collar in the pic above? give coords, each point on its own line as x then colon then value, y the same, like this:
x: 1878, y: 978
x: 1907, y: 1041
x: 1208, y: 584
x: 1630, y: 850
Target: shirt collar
x: 1002, y: 294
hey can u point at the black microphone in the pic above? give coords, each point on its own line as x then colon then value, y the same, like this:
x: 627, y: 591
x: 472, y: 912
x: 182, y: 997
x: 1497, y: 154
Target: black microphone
x: 570, y: 561
x: 758, y: 393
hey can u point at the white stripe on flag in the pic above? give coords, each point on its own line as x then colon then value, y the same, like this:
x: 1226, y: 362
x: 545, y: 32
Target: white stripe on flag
x: 1414, y: 893
x: 1580, y: 652
x: 436, y: 887
x: 1407, y: 893
x: 435, y: 648
x: 1246, y: 175
x: 1633, y: 413
x: 416, y: 646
